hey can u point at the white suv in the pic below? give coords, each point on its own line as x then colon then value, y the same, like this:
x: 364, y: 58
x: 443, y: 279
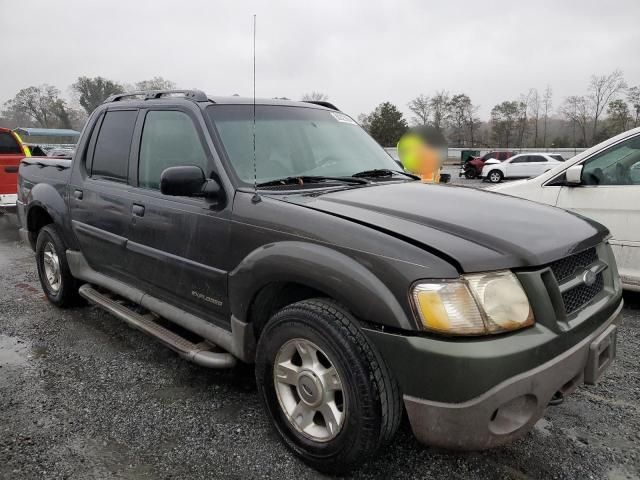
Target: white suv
x: 524, y: 165
x: 602, y: 183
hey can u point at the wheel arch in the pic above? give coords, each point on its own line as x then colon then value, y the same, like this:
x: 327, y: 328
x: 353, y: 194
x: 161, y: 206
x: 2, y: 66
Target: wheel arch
x: 293, y: 271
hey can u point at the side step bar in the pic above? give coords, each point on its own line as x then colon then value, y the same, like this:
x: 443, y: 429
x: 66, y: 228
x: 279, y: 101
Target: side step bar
x: 197, y: 353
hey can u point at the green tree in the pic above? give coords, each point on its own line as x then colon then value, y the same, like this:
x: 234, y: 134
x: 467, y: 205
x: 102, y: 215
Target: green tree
x: 156, y: 83
x: 93, y: 91
x: 619, y: 117
x: 633, y: 96
x: 505, y: 120
x: 386, y: 124
x: 39, y: 104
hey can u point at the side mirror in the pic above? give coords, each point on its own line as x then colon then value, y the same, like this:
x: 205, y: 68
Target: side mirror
x: 574, y: 175
x: 445, y: 177
x: 187, y: 181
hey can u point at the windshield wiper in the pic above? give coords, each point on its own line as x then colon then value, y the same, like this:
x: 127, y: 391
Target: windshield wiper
x: 303, y: 179
x: 383, y: 172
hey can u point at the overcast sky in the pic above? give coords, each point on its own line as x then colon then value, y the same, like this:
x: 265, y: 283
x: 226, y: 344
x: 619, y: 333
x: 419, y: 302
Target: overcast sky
x: 360, y: 53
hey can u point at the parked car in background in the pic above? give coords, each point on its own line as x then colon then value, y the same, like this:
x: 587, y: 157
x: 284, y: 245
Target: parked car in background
x: 602, y: 183
x: 473, y: 167
x: 524, y: 165
x: 12, y: 150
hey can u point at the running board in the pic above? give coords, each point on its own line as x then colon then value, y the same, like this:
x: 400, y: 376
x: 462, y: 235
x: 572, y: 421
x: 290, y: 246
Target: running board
x: 197, y: 353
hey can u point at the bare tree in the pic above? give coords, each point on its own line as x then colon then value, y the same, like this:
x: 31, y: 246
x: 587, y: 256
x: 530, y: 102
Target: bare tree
x: 619, y: 117
x: 534, y: 113
x: 421, y: 108
x: 38, y: 103
x: 458, y: 113
x: 603, y: 89
x: 633, y: 96
x: 315, y: 97
x: 440, y: 107
x: 547, y: 99
x: 575, y: 109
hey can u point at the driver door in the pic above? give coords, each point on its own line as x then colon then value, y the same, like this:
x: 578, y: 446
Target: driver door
x: 610, y: 194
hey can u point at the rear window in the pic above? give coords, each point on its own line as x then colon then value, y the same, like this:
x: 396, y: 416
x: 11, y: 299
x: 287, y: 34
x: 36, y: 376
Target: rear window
x: 111, y: 155
x: 9, y: 145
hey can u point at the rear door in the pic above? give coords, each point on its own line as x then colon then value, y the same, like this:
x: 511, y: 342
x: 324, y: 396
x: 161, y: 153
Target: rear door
x: 100, y: 201
x: 10, y: 155
x: 178, y: 245
x: 537, y: 165
x: 610, y: 194
x: 517, y: 167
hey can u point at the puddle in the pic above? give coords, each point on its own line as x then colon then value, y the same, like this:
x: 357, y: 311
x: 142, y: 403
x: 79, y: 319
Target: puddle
x: 15, y: 352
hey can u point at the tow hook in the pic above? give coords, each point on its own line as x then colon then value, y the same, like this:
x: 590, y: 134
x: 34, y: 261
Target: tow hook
x: 557, y: 399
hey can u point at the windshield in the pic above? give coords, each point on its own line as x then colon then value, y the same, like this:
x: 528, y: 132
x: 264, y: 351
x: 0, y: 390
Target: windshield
x: 295, y: 141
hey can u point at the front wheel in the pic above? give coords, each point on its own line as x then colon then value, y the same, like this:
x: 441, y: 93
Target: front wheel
x: 470, y: 173
x: 495, y: 176
x: 329, y: 394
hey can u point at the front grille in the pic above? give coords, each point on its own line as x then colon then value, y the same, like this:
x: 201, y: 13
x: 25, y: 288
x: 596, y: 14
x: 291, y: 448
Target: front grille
x: 581, y: 295
x: 568, y: 267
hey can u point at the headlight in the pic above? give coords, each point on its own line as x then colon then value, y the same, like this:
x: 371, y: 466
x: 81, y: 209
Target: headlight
x: 476, y: 304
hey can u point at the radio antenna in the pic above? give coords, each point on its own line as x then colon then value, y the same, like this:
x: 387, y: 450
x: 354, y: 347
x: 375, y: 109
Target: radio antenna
x: 256, y: 197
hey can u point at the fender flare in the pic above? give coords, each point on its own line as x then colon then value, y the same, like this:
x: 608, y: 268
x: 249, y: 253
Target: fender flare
x: 49, y: 199
x: 319, y: 267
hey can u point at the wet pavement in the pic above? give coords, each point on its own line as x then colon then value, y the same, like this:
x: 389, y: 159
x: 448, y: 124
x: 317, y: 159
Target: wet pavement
x: 83, y: 396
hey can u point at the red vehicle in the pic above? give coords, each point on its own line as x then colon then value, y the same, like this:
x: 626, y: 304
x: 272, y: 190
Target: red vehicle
x: 11, y: 152
x: 473, y: 167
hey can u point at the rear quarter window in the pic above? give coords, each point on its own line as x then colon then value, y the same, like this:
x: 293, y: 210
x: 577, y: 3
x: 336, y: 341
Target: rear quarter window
x: 111, y: 154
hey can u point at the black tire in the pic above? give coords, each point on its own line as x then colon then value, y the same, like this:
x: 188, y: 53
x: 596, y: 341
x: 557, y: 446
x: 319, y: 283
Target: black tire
x: 373, y: 404
x: 495, y: 176
x: 470, y: 173
x: 67, y: 292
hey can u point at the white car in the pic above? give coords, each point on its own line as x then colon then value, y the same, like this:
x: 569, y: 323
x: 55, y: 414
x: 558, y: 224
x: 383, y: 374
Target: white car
x: 523, y: 165
x: 602, y: 183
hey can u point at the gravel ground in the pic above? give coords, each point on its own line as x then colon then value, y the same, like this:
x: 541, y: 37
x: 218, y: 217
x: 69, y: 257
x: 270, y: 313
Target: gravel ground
x: 83, y: 396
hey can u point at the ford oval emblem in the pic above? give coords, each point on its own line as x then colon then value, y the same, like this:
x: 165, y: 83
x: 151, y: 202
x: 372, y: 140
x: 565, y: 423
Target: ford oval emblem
x: 588, y: 278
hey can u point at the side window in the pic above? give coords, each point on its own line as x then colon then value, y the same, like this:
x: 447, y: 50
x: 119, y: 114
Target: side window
x: 537, y: 159
x: 169, y: 139
x: 111, y: 155
x: 9, y: 145
x: 618, y: 165
x: 522, y: 159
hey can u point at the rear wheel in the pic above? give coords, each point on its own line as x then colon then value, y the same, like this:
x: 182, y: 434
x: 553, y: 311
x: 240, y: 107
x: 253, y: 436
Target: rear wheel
x: 60, y: 287
x: 328, y: 392
x: 495, y: 176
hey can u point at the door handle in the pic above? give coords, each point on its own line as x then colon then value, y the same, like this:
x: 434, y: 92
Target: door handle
x: 137, y: 210
x: 77, y: 194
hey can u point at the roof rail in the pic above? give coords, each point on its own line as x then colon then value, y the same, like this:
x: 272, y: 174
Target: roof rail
x: 322, y: 103
x: 195, y: 95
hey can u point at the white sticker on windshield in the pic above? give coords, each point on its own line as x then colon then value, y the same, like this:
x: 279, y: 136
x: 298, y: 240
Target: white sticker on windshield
x: 341, y: 117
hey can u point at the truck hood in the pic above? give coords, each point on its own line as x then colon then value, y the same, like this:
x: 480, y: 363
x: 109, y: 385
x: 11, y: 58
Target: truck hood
x: 472, y: 229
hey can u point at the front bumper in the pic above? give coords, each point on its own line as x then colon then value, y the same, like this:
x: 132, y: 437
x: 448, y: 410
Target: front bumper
x: 511, y: 408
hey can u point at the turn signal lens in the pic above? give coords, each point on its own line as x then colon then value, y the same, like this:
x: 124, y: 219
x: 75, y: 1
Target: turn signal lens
x: 448, y: 308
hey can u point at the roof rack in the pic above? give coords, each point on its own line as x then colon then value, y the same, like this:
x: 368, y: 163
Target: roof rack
x: 322, y: 103
x: 195, y: 95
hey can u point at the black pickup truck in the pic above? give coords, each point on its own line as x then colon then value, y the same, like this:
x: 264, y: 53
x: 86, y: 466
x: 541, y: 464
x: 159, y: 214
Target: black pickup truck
x: 357, y: 291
